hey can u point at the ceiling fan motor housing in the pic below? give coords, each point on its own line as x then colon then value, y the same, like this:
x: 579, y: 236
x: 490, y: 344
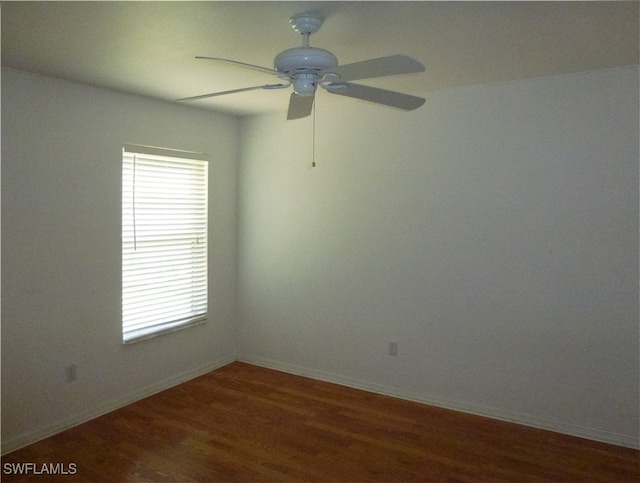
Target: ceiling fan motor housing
x: 302, y: 66
x: 304, y: 59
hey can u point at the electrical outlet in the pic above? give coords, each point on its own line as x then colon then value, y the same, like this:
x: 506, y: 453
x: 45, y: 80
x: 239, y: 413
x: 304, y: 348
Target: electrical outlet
x: 71, y: 373
x: 393, y: 348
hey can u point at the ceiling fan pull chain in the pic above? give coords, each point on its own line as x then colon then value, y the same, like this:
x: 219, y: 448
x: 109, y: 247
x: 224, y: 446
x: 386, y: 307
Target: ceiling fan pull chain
x: 313, y: 137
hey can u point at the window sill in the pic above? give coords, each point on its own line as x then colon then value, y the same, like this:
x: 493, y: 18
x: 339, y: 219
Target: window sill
x: 143, y: 334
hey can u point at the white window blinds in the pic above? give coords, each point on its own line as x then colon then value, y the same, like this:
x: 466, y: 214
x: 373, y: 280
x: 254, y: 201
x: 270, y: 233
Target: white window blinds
x: 164, y: 240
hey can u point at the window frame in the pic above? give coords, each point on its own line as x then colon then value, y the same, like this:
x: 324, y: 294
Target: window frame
x: 131, y: 181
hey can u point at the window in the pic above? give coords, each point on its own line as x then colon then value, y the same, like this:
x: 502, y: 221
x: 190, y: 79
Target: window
x: 164, y: 241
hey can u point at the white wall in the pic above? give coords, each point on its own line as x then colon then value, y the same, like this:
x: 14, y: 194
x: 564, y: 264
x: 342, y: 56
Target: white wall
x: 493, y: 234
x: 61, y: 227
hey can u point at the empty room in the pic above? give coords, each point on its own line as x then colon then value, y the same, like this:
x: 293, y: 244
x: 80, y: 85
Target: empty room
x: 320, y: 241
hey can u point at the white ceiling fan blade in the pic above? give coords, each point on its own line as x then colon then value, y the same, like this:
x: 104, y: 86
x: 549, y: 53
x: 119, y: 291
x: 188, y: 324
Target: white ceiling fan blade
x: 382, y: 66
x: 234, y: 91
x: 374, y: 94
x: 299, y: 106
x: 266, y: 70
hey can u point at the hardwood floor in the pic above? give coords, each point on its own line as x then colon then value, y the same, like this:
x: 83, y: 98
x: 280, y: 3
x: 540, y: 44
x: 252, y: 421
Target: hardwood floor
x: 246, y: 423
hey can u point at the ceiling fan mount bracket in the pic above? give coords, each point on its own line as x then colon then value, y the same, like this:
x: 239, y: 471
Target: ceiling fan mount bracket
x: 306, y: 23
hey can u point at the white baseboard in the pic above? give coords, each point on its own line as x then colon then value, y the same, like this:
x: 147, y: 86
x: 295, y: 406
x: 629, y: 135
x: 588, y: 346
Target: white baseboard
x: 76, y: 419
x: 557, y: 426
x: 526, y: 420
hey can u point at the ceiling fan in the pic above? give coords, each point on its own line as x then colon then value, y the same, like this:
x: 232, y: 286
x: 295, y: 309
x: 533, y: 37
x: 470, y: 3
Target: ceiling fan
x: 307, y: 67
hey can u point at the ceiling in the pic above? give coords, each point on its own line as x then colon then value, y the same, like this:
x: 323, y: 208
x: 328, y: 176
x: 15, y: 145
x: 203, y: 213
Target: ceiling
x: 149, y: 48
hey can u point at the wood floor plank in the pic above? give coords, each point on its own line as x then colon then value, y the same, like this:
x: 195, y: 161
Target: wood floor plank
x: 247, y: 423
